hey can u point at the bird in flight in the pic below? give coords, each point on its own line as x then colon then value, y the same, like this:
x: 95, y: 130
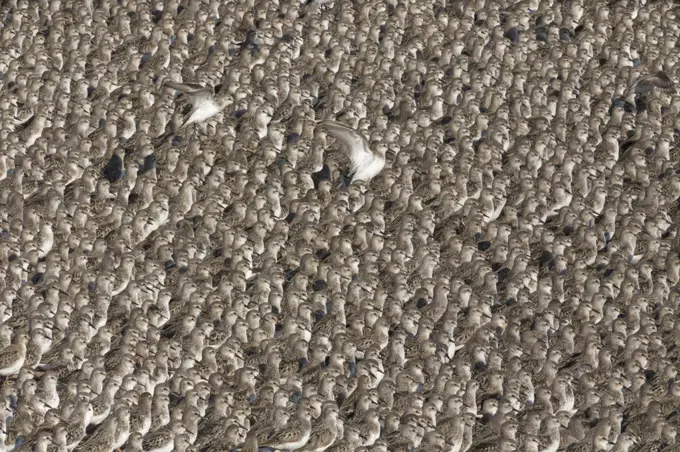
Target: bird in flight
x: 647, y: 83
x: 366, y: 163
x: 634, y: 99
x: 204, y: 105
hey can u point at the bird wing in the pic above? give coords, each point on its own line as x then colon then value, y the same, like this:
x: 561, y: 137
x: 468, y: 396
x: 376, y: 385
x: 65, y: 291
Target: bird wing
x: 23, y: 123
x: 659, y: 80
x: 356, y: 146
x: 288, y: 434
x: 662, y: 80
x: 197, y: 93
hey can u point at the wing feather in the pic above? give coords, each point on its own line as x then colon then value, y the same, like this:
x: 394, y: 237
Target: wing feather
x: 197, y: 93
x: 25, y: 124
x: 355, y: 145
x: 663, y: 81
x: 659, y: 80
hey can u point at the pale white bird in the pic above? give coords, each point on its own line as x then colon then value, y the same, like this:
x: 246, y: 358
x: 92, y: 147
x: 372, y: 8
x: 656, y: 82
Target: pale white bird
x: 203, y: 103
x: 366, y: 163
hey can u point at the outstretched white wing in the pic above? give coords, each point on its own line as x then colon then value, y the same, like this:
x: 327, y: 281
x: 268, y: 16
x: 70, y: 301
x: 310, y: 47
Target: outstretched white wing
x: 197, y: 94
x: 202, y: 104
x: 356, y: 147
